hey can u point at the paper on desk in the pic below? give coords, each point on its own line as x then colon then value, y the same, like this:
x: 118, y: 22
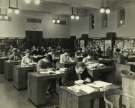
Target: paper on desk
x: 75, y: 88
x: 100, y: 85
x: 84, y: 88
x: 47, y: 72
x: 88, y: 89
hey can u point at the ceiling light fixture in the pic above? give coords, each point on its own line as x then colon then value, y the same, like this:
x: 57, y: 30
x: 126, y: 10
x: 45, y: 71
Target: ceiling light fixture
x: 12, y: 9
x: 37, y: 2
x: 27, y: 1
x: 56, y: 20
x: 108, y: 11
x: 104, y: 8
x: 73, y: 16
x: 3, y: 14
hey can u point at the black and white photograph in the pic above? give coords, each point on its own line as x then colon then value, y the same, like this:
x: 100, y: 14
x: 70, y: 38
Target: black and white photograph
x: 67, y: 53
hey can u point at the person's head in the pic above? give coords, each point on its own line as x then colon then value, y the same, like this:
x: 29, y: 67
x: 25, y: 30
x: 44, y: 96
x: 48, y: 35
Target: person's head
x: 27, y: 53
x: 66, y: 53
x: 49, y: 58
x: 80, y: 67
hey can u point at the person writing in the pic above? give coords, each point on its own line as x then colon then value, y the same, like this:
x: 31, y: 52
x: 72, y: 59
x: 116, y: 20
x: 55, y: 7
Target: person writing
x: 26, y: 60
x: 82, y: 73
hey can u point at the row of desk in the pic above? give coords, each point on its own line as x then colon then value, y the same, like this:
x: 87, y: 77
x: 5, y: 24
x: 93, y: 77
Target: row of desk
x: 37, y: 83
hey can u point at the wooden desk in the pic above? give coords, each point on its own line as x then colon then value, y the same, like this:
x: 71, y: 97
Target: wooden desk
x: 106, y: 73
x: 37, y: 87
x: 2, y: 59
x: 132, y: 66
x: 20, y: 76
x: 128, y: 87
x: 9, y: 68
x: 131, y: 58
x: 70, y: 99
x: 65, y: 65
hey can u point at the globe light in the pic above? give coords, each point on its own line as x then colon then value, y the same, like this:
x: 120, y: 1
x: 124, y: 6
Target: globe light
x: 72, y: 17
x: 108, y: 11
x: 10, y: 10
x: 37, y: 2
x: 121, y: 21
x: 17, y: 11
x: 58, y: 21
x: 53, y: 21
x: 102, y: 10
x: 77, y: 17
x: 27, y: 1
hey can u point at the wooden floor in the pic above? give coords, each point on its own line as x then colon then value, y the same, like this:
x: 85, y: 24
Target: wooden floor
x: 11, y: 98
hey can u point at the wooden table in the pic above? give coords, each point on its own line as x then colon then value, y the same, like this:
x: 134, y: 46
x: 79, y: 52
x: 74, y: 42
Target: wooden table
x: 9, y: 68
x: 2, y: 59
x: 38, y: 85
x: 20, y: 76
x: 70, y: 99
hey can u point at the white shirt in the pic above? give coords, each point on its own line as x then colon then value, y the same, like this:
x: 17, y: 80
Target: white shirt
x: 64, y: 58
x: 25, y: 61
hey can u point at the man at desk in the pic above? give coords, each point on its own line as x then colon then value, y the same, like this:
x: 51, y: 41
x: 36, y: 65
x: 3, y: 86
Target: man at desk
x: 87, y: 58
x: 82, y: 76
x: 82, y: 73
x: 26, y: 60
x: 44, y: 65
x: 14, y: 56
x: 65, y: 58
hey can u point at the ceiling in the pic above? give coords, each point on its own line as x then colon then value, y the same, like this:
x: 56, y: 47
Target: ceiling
x: 64, y: 6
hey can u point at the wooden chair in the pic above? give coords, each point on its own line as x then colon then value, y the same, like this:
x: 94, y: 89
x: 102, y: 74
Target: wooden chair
x: 108, y: 104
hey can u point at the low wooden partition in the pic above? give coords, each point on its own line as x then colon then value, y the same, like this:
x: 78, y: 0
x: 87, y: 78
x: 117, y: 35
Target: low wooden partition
x: 9, y: 68
x: 128, y: 87
x: 38, y: 85
x: 2, y: 60
x: 81, y: 99
x: 20, y: 76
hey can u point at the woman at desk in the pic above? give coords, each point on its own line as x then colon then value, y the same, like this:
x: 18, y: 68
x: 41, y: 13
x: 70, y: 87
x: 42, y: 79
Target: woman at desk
x: 26, y: 60
x: 14, y: 56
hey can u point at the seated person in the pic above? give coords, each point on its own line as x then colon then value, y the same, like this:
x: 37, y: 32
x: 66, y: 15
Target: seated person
x: 26, y: 60
x: 78, y: 55
x: 45, y: 63
x: 87, y: 58
x: 34, y: 50
x: 15, y: 55
x: 65, y: 58
x: 82, y: 73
